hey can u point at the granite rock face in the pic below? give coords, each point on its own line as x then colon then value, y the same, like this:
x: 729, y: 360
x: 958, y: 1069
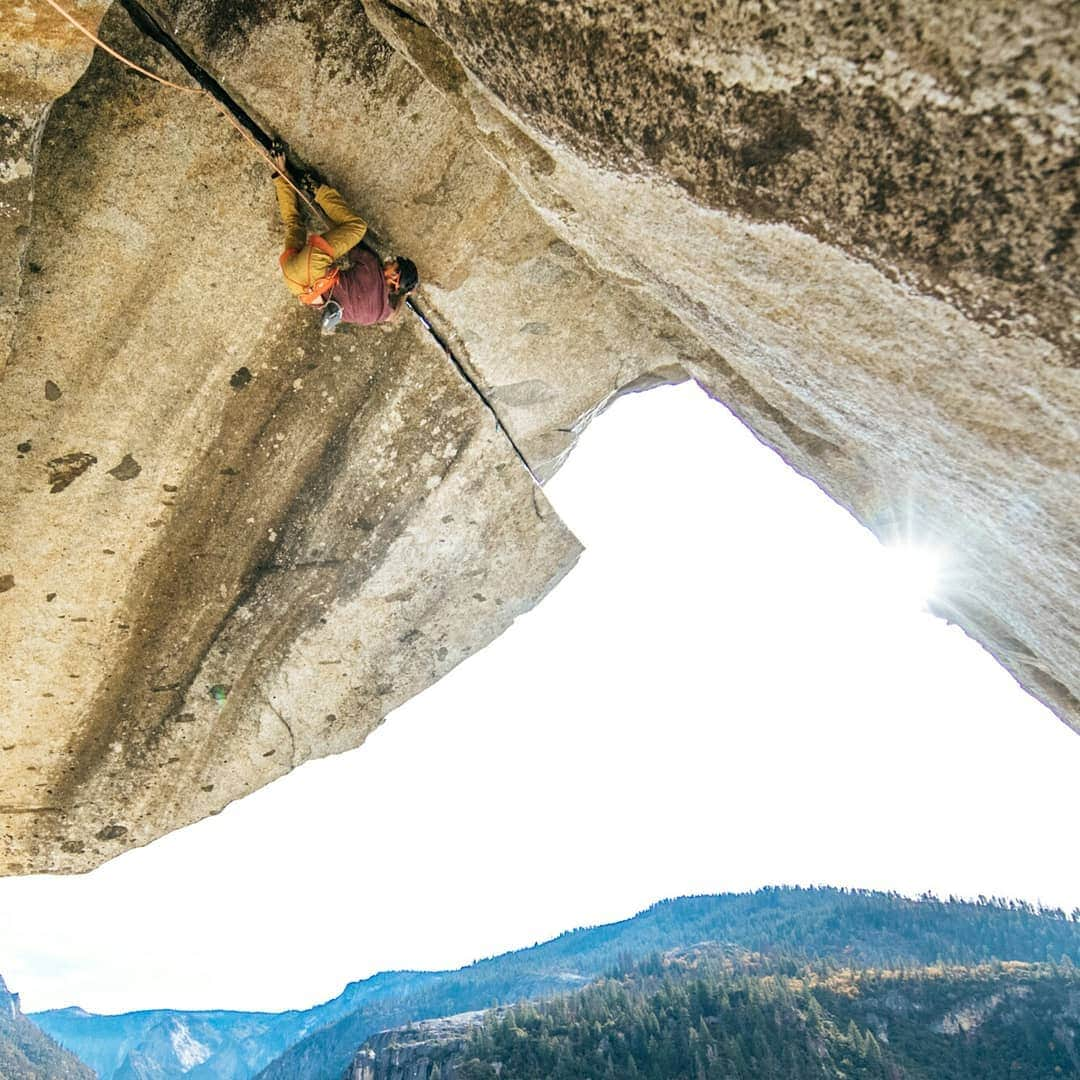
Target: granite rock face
x: 216, y: 576
x: 870, y: 217
x: 41, y: 56
x: 229, y: 545
x: 936, y: 141
x: 417, y: 1051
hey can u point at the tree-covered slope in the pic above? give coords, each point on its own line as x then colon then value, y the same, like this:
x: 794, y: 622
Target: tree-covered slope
x: 694, y: 1018
x: 853, y: 927
x: 27, y: 1052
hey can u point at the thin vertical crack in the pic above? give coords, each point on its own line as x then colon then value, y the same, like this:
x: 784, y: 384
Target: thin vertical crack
x: 464, y: 373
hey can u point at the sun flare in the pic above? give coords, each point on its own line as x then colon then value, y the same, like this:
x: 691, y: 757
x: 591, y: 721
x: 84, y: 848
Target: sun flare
x: 914, y: 573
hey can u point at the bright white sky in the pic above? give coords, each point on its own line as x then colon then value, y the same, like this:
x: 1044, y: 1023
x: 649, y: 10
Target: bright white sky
x: 730, y: 690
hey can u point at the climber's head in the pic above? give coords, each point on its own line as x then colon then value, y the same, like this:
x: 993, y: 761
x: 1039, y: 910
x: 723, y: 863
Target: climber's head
x: 401, y: 276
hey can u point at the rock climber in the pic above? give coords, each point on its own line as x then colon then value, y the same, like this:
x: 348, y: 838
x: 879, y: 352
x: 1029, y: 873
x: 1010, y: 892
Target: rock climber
x: 365, y: 292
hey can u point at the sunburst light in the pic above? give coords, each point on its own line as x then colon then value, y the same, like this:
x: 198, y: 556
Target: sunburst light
x: 914, y: 573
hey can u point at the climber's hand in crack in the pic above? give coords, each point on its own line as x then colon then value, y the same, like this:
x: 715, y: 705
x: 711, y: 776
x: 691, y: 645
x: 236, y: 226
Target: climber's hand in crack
x: 277, y: 153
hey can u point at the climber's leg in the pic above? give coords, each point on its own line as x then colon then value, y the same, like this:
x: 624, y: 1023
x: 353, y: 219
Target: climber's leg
x: 348, y: 227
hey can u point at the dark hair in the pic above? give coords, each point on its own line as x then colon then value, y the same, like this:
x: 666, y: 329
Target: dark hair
x: 409, y: 277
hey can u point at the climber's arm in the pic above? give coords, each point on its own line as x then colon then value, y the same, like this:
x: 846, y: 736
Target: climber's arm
x: 295, y: 233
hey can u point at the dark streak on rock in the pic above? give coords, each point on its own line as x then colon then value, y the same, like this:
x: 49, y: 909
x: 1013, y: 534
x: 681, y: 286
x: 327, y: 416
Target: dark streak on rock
x: 125, y: 709
x: 408, y: 16
x: 175, y: 600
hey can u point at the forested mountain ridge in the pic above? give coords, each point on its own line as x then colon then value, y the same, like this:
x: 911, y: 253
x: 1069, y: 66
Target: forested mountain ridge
x: 699, y: 1017
x: 856, y: 928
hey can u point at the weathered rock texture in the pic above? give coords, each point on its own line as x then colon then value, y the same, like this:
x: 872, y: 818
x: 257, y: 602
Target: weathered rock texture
x: 869, y: 214
x: 41, y: 55
x: 229, y: 545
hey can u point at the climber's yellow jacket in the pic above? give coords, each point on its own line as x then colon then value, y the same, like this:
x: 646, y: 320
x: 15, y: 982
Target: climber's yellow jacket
x: 302, y: 262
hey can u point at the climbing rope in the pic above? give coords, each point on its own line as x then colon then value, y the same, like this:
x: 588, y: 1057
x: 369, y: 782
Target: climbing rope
x: 198, y: 91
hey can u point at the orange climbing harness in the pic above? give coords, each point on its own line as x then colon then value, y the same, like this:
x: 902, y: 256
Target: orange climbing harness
x: 313, y: 292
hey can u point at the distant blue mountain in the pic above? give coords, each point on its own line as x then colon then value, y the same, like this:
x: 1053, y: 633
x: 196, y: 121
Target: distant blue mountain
x: 199, y: 1045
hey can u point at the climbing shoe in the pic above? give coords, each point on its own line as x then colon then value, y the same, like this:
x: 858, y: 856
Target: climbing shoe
x: 331, y: 317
